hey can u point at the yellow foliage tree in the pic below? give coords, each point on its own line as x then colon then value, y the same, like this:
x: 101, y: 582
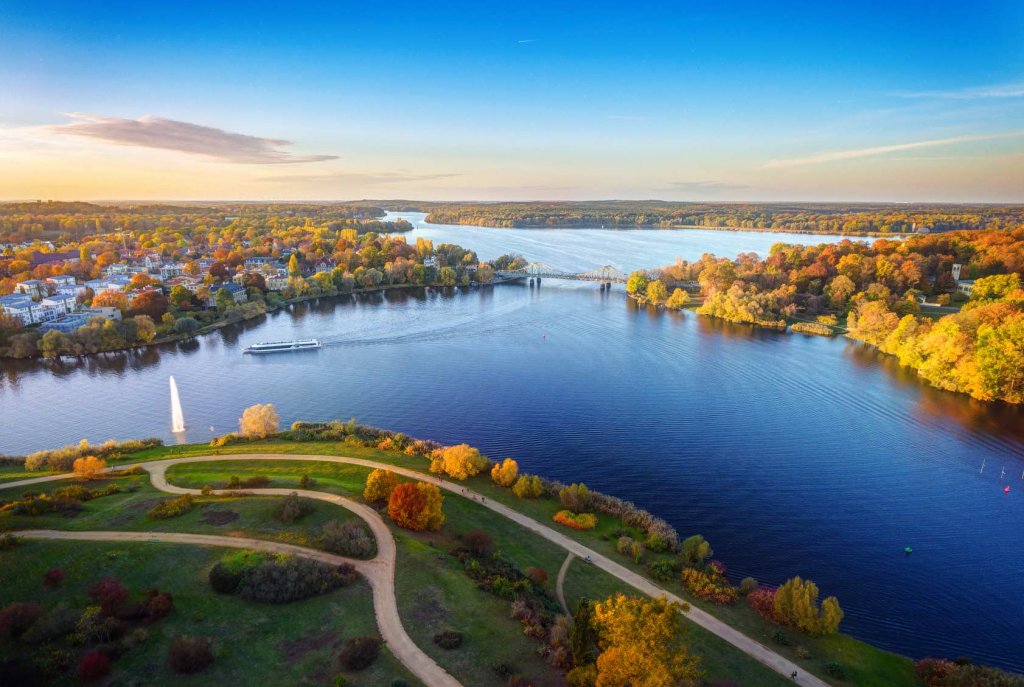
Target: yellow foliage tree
x: 641, y: 642
x: 796, y: 604
x: 505, y: 472
x: 89, y: 467
x: 460, y: 461
x: 379, y: 485
x: 677, y: 300
x: 259, y: 420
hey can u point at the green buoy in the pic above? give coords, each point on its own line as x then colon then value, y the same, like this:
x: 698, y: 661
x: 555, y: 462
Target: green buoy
x: 907, y: 549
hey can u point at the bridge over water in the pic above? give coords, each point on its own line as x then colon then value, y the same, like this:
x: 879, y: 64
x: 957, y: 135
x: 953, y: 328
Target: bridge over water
x: 606, y: 274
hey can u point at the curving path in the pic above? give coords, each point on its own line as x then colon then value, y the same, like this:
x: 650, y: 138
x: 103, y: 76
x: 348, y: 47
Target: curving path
x: 559, y: 592
x: 747, y: 645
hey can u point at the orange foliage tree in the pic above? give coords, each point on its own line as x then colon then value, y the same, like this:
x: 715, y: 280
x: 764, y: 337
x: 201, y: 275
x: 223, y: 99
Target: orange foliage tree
x: 89, y: 467
x: 416, y: 506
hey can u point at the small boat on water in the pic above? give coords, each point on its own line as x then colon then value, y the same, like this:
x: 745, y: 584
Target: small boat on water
x: 283, y: 346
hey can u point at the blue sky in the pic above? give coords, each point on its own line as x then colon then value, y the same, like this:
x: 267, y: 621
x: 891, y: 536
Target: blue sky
x: 797, y: 101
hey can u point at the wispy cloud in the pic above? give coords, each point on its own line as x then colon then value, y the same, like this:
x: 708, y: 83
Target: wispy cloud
x: 1013, y: 90
x: 527, y: 40
x: 169, y: 134
x: 630, y: 118
x: 365, y: 179
x: 708, y: 187
x: 881, y: 150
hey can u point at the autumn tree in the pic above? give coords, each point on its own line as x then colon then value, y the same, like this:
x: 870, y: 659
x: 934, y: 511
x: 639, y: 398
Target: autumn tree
x: 259, y: 421
x: 637, y: 283
x: 111, y: 299
x: 656, y: 292
x: 505, y: 473
x: 379, y: 485
x: 695, y: 551
x: 459, y: 461
x: 89, y: 467
x: 151, y: 303
x: 294, y: 270
x: 416, y: 506
x: 678, y: 300
x: 181, y: 297
x: 528, y: 487
x: 796, y: 604
x: 145, y: 328
x: 576, y: 497
x: 642, y: 644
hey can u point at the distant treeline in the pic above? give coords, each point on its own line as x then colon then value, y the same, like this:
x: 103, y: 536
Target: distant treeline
x: 796, y: 217
x: 72, y: 221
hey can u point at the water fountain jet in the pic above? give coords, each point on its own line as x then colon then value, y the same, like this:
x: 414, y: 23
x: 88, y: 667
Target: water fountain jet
x: 177, y: 416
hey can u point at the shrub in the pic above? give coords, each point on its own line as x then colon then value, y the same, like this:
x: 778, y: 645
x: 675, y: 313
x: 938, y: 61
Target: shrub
x: 379, y: 485
x: 207, y: 490
x: 110, y: 594
x: 802, y: 652
x: 359, y: 652
x: 448, y: 639
x: 255, y: 482
x: 580, y: 521
x: 53, y: 577
x: 190, y: 655
x: 92, y: 627
x: 505, y: 473
x: 306, y: 482
x: 292, y: 508
x: 478, y: 542
x: 662, y: 570
x: 576, y: 497
x: 346, y: 539
x: 89, y: 467
x: 17, y: 617
x: 8, y: 541
x: 54, y: 624
x: 528, y: 487
x: 708, y: 585
x: 223, y: 579
x: 94, y: 665
x: 696, y: 550
x: 747, y: 585
x: 537, y: 575
x: 283, y: 579
x: 624, y: 545
x: 780, y: 637
x: 416, y: 506
x: 172, y: 508
x: 932, y: 672
x: 762, y: 601
x: 158, y: 604
x: 63, y: 459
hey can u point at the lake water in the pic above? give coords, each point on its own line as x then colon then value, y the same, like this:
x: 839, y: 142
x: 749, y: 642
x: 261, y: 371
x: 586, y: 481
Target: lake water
x: 791, y: 454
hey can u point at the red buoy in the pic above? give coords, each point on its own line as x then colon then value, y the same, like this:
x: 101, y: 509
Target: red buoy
x: 1007, y: 489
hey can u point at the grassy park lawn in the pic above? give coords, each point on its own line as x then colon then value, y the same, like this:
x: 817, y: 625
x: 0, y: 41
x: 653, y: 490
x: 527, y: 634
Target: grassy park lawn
x: 430, y: 578
x: 288, y: 644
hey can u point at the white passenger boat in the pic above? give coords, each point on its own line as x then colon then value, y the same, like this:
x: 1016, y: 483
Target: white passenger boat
x: 283, y: 346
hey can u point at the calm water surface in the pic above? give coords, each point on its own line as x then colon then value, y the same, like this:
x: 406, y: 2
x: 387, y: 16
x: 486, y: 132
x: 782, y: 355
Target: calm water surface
x: 792, y: 454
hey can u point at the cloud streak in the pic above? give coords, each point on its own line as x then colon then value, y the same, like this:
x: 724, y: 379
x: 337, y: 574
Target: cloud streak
x: 194, y: 139
x: 705, y: 186
x: 875, y: 151
x: 366, y: 179
x: 1013, y: 90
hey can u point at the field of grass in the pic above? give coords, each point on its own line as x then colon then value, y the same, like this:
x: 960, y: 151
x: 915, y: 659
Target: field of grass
x: 255, y: 644
x: 249, y: 516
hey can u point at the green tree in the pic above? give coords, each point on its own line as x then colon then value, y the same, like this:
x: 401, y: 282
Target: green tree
x: 224, y: 299
x: 447, y: 276
x: 180, y: 297
x: 582, y: 638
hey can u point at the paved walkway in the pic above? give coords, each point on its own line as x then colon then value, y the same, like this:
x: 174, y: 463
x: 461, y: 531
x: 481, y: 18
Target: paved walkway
x: 751, y: 647
x: 561, y: 580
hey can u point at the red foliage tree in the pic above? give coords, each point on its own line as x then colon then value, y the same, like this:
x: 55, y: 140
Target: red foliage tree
x: 94, y: 665
x: 406, y: 504
x: 152, y: 303
x: 762, y: 600
x: 109, y: 593
x: 53, y: 577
